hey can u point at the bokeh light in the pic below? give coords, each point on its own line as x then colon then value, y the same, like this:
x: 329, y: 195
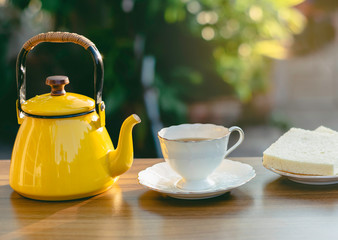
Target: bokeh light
x: 256, y: 13
x: 194, y: 7
x: 207, y: 17
x: 208, y: 33
x: 244, y: 50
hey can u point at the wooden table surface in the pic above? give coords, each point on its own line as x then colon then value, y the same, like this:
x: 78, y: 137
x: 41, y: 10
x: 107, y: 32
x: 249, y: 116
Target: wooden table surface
x: 268, y: 207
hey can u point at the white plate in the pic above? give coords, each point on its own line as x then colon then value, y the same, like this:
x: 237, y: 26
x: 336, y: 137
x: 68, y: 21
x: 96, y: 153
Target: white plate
x: 229, y: 175
x: 307, y: 179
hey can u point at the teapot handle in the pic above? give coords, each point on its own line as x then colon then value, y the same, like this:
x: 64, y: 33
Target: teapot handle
x: 59, y: 37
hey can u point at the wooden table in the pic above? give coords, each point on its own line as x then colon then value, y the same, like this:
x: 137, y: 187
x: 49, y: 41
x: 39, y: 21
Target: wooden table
x: 268, y: 207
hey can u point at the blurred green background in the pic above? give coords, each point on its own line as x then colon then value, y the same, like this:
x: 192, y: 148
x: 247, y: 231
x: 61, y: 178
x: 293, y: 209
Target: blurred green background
x: 169, y: 61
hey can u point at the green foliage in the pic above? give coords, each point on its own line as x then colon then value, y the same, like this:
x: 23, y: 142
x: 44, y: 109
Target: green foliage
x: 242, y: 34
x: 202, y: 49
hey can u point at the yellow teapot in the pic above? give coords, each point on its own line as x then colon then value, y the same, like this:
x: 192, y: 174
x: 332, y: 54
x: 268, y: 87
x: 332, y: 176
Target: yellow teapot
x: 62, y: 150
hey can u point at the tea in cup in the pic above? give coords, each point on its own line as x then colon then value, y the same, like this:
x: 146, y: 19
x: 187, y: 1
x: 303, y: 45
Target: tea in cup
x: 194, y: 151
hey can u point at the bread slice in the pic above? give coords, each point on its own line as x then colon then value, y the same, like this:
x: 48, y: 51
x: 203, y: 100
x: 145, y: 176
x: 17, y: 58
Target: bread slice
x: 325, y: 130
x: 304, y: 152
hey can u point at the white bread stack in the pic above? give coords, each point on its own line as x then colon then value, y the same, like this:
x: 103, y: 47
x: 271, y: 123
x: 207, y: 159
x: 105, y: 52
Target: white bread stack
x: 304, y: 152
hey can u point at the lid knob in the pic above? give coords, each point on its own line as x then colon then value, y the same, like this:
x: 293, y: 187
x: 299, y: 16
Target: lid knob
x: 58, y: 84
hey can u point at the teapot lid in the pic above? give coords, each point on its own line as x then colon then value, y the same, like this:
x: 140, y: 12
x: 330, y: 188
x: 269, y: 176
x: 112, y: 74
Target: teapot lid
x: 58, y: 102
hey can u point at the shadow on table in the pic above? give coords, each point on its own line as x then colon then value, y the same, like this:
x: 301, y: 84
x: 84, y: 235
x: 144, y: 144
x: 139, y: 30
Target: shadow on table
x: 282, y: 187
x: 166, y: 206
x: 50, y: 218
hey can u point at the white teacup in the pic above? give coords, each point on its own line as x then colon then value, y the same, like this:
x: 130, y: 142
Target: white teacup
x: 194, y: 151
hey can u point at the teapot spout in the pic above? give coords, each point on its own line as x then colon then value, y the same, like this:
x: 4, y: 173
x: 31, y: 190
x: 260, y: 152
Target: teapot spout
x: 121, y: 159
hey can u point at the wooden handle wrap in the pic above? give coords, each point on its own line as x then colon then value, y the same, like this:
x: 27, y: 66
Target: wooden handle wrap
x: 58, y: 37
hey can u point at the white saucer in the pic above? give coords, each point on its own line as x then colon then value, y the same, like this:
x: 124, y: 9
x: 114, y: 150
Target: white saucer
x: 229, y: 175
x: 307, y: 179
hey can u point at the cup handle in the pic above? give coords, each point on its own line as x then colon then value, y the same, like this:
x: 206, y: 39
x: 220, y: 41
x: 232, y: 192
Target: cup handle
x: 240, y: 140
